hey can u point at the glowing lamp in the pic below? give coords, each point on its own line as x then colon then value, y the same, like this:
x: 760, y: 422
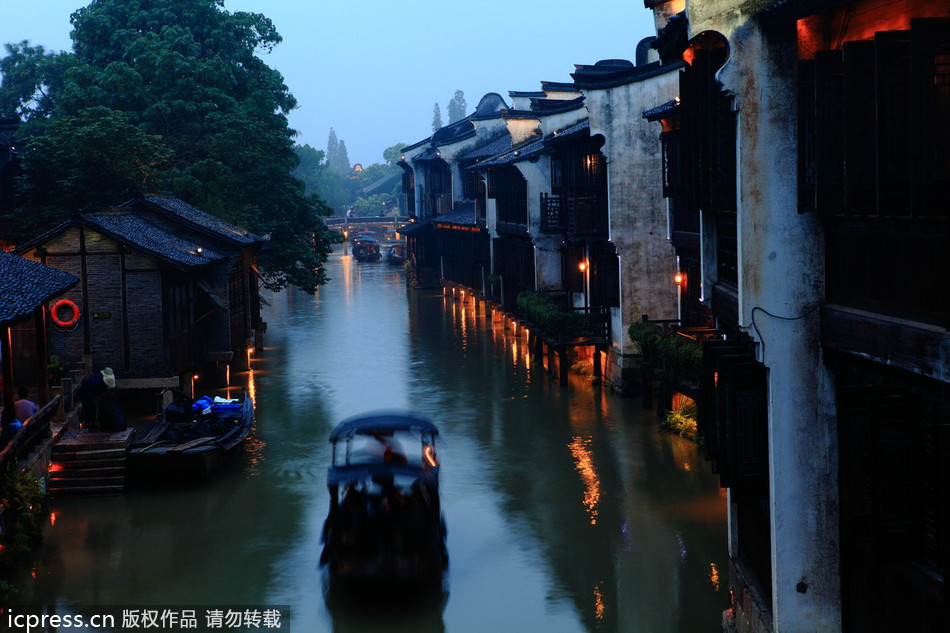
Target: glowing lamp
x: 429, y: 453
x: 678, y: 278
x: 582, y: 266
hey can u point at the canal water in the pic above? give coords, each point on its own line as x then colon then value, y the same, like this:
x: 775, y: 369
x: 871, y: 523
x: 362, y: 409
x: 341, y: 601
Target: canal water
x: 567, y: 510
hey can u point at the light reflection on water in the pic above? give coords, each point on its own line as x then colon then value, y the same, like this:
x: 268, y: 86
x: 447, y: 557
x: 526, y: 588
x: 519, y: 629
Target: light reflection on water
x: 566, y: 509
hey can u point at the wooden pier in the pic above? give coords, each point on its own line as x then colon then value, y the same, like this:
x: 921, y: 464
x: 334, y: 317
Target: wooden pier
x: 88, y: 462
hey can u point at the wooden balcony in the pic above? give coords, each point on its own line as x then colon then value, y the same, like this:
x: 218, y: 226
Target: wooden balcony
x: 562, y: 324
x: 578, y: 217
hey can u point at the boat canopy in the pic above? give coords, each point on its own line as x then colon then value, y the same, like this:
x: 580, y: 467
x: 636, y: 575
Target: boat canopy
x: 382, y: 422
x: 337, y: 475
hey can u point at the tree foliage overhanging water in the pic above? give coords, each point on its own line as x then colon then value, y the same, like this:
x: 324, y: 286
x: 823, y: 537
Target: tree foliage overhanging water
x: 166, y: 95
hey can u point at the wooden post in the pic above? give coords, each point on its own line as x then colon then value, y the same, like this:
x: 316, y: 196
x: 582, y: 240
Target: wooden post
x: 6, y: 353
x: 42, y: 356
x: 562, y: 365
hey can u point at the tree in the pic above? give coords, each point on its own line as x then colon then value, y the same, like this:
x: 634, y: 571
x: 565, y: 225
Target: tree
x: 372, y: 206
x: 333, y: 147
x: 337, y: 157
x: 436, y: 117
x: 95, y: 156
x: 393, y: 154
x: 319, y: 179
x: 456, y: 107
x: 343, y: 159
x: 179, y: 87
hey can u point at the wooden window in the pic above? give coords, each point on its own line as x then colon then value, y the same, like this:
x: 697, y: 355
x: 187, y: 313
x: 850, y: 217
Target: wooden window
x: 510, y: 191
x: 605, y: 280
x: 893, y: 499
x: 874, y: 162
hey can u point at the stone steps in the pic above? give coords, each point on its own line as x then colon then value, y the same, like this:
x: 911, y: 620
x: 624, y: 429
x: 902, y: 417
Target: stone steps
x: 88, y: 462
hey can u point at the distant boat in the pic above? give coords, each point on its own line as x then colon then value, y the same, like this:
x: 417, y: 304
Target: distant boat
x: 396, y: 253
x: 366, y: 248
x: 189, y: 440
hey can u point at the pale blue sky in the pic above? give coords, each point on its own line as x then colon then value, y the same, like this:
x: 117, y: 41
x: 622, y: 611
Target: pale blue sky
x: 373, y: 70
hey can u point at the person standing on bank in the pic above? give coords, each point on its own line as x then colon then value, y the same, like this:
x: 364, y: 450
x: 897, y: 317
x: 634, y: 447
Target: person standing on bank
x: 99, y: 409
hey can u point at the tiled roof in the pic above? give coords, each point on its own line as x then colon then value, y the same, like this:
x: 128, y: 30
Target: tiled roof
x: 136, y: 231
x: 453, y: 132
x: 414, y: 227
x: 489, y: 107
x: 569, y: 133
x: 25, y: 285
x: 201, y: 219
x: 430, y: 153
x: 517, y: 153
x: 462, y: 215
x: 664, y: 109
x: 493, y: 148
x: 556, y: 106
x: 602, y: 76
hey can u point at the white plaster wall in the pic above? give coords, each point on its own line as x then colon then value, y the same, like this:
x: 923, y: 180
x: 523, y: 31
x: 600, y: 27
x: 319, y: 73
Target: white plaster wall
x: 522, y: 128
x: 561, y: 121
x: 547, y: 248
x: 780, y: 287
x: 638, y: 210
x: 407, y: 157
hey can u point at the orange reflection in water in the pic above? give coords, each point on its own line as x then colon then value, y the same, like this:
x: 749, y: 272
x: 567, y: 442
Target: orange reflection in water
x: 714, y: 576
x: 584, y: 464
x: 599, y: 606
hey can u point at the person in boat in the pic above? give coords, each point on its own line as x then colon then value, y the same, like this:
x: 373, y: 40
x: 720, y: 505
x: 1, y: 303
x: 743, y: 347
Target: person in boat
x: 390, y: 449
x: 100, y: 408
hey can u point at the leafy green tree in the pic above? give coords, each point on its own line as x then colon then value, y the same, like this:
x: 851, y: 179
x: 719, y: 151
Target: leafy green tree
x: 310, y: 166
x: 97, y: 156
x: 343, y: 159
x: 206, y: 118
x: 456, y: 107
x: 333, y: 148
x: 29, y: 76
x: 436, y: 117
x: 393, y: 153
x: 337, y: 157
x: 374, y: 205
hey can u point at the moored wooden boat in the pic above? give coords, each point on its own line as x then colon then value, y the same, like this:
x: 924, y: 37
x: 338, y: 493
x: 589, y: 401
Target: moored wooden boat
x: 187, y: 443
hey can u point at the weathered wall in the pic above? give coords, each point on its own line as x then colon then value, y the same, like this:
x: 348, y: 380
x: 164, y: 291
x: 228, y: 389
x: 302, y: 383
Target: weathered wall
x: 547, y: 247
x: 110, y: 318
x: 637, y: 208
x: 780, y: 288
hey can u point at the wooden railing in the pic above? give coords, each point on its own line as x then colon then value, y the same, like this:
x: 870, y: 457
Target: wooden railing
x: 593, y: 326
x: 585, y: 326
x: 35, y: 429
x: 580, y: 216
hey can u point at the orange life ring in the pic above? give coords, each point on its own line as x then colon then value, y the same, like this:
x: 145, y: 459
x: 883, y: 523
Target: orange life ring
x: 65, y: 303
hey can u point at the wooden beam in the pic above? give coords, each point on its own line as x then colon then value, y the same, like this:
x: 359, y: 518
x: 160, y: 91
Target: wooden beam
x: 6, y: 353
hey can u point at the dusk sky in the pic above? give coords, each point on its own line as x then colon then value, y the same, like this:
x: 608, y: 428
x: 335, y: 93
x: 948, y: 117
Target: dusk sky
x: 373, y: 70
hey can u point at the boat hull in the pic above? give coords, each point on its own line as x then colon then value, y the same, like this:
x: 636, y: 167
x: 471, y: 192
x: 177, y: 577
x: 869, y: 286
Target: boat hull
x: 154, y: 460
